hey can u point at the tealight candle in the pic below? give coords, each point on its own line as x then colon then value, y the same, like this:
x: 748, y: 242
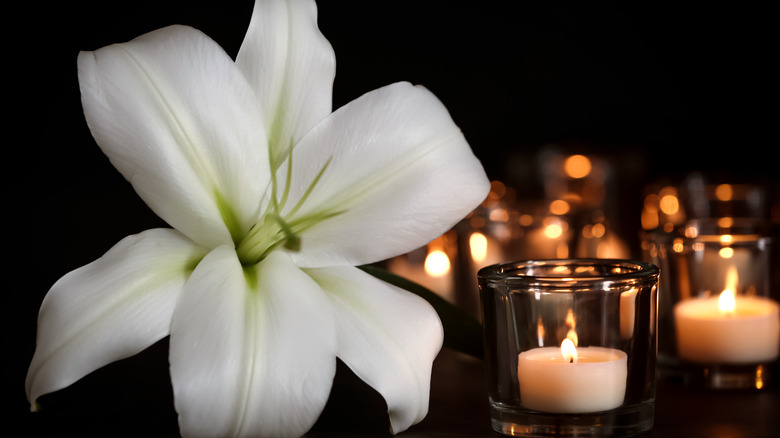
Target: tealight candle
x: 728, y: 329
x: 572, y: 380
x: 584, y: 388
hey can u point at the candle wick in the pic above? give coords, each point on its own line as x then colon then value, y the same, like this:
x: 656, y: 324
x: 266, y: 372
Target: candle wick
x: 571, y: 360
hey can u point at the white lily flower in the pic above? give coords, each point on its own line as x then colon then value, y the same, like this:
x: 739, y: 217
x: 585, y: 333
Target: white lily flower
x: 273, y: 200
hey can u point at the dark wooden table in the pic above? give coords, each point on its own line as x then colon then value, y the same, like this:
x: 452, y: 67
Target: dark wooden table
x: 116, y: 402
x: 459, y: 408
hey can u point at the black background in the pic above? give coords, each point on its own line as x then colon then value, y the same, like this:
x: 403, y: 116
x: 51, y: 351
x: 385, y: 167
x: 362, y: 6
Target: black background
x: 664, y: 89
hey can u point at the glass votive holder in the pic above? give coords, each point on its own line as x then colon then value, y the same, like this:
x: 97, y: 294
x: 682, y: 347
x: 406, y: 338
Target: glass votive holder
x: 570, y: 346
x: 719, y: 325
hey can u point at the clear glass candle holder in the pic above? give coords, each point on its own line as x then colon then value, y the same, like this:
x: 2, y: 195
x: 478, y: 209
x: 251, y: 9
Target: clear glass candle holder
x: 570, y: 346
x: 719, y: 323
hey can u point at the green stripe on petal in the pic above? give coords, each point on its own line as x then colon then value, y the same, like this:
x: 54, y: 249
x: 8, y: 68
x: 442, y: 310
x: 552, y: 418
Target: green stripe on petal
x: 252, y: 349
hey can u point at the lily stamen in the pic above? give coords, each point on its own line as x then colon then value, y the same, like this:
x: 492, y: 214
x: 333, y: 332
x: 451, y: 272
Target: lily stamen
x: 291, y: 240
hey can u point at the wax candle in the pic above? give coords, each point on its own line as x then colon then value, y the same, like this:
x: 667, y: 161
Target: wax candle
x: 592, y: 379
x: 710, y: 331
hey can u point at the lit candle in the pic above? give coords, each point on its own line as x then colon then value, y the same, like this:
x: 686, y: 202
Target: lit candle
x: 547, y: 241
x: 434, y: 273
x: 485, y: 250
x: 728, y: 329
x: 571, y: 379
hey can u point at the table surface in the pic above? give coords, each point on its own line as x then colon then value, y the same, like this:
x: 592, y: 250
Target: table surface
x: 458, y: 406
x: 680, y: 411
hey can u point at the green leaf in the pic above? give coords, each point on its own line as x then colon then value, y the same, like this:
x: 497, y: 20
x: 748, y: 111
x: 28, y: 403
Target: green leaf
x: 462, y: 332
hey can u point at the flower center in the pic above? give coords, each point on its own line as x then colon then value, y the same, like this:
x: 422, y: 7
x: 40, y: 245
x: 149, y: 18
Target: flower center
x: 274, y: 230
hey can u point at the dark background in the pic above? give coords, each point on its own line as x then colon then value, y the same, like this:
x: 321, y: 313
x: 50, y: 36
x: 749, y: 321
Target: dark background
x: 661, y: 89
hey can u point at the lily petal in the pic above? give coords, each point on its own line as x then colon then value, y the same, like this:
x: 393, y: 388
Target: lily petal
x: 109, y: 309
x: 177, y: 118
x: 399, y: 174
x: 387, y: 336
x: 291, y: 66
x: 252, y: 349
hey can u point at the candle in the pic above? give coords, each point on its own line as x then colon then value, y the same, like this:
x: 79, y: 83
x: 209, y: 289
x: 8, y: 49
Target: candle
x: 434, y: 273
x: 572, y: 380
x: 549, y: 240
x: 728, y: 329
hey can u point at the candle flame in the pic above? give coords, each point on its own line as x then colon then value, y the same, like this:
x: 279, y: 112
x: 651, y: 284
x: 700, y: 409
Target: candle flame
x: 577, y: 166
x: 727, y: 300
x: 499, y: 215
x: 669, y: 204
x: 571, y: 323
x: 553, y: 230
x: 569, y: 351
x: 726, y: 252
x: 540, y: 331
x: 437, y: 263
x: 478, y: 244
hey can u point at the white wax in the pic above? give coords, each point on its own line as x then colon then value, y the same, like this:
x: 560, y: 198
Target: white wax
x: 548, y: 383
x: 705, y: 334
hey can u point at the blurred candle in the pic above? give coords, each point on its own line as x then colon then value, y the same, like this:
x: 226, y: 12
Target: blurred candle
x: 434, y: 273
x: 729, y: 328
x: 485, y: 250
x: 548, y: 241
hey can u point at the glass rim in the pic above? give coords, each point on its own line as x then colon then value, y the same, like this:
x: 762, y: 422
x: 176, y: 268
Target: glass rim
x: 582, y: 273
x: 706, y: 229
